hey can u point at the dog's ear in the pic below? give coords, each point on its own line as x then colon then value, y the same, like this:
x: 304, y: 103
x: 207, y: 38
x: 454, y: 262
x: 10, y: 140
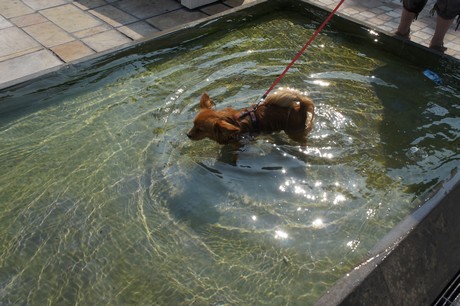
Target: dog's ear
x: 206, y: 102
x: 225, y: 131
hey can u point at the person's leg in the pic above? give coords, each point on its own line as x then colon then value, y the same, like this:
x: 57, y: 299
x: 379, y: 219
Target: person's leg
x: 442, y: 25
x: 405, y: 23
x: 411, y: 9
x: 446, y: 11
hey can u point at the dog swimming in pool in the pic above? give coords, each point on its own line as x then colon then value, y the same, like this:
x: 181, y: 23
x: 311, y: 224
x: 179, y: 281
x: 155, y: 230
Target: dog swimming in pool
x: 287, y: 110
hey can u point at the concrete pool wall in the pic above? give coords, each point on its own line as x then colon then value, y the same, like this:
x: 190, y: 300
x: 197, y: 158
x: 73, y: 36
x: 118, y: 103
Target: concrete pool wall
x: 417, y: 259
x: 413, y: 263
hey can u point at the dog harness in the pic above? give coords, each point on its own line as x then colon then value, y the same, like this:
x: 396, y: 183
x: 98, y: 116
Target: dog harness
x: 252, y: 115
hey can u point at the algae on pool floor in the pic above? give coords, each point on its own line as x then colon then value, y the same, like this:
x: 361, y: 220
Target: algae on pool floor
x: 104, y: 200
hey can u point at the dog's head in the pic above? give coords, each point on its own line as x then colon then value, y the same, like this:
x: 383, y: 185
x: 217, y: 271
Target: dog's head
x: 212, y: 124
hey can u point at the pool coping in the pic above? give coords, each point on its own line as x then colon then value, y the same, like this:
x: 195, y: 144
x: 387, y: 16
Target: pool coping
x: 382, y: 276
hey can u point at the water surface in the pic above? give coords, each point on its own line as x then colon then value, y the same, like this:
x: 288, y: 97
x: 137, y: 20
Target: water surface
x: 104, y: 200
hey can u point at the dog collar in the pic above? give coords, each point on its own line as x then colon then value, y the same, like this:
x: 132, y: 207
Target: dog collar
x: 252, y: 115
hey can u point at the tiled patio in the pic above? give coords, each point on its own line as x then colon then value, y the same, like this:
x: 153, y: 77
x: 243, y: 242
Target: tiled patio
x: 385, y: 14
x: 39, y: 34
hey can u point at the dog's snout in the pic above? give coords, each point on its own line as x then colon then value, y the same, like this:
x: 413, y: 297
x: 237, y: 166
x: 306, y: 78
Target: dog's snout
x: 191, y: 134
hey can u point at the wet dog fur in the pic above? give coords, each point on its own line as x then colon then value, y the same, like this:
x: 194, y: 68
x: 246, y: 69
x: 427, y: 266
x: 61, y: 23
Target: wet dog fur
x: 285, y: 110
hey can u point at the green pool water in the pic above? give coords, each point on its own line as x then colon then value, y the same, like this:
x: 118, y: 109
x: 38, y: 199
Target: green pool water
x: 104, y: 200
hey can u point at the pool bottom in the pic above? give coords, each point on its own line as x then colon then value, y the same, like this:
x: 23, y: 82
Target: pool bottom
x: 282, y: 257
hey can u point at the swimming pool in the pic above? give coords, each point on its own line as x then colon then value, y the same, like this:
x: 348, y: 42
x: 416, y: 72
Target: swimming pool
x: 105, y: 200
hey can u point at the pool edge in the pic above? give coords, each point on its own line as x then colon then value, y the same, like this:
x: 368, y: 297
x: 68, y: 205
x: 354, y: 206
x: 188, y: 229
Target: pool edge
x: 371, y: 279
x: 414, y: 262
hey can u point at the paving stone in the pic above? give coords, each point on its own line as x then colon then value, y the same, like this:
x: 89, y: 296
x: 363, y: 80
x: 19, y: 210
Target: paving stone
x: 368, y: 3
x: 386, y: 8
x: 235, y: 3
x: 14, y: 42
x: 428, y: 30
x: 452, y: 47
x: 43, y: 4
x: 214, y: 9
x: 72, y: 51
x: 351, y: 11
x: 377, y: 11
x: 90, y: 4
x: 451, y: 36
x: 395, y: 14
x: 147, y: 8
x: 27, y: 64
x: 4, y: 23
x: 421, y: 35
x: 27, y: 20
x: 175, y: 18
x: 384, y: 17
x: 376, y: 21
x: 353, y: 8
x: 367, y: 15
x: 14, y: 8
x: 138, y: 30
x: 328, y: 2
x: 421, y: 29
x: 106, y: 40
x: 393, y: 25
x: 48, y: 34
x: 387, y: 28
x: 70, y: 18
x: 92, y: 31
x: 113, y: 16
x: 416, y: 26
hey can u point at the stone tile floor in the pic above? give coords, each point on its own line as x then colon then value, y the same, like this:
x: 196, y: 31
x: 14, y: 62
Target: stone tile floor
x: 39, y: 34
x: 384, y: 15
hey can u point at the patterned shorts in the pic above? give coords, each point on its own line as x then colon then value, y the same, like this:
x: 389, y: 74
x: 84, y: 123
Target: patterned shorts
x: 447, y: 9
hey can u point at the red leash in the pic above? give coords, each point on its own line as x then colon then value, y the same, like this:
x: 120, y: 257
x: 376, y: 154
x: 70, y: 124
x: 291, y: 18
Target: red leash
x: 302, y: 51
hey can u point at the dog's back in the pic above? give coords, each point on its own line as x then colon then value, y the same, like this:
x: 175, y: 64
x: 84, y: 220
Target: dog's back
x: 300, y: 109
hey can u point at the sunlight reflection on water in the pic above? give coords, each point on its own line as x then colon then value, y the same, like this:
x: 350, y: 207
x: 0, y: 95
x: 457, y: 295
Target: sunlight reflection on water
x: 105, y: 200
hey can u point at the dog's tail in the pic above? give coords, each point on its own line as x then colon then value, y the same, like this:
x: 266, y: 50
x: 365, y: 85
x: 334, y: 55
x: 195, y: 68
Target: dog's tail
x: 307, y: 106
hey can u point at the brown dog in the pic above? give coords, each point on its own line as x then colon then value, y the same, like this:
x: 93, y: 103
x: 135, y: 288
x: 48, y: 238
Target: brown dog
x: 286, y: 110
